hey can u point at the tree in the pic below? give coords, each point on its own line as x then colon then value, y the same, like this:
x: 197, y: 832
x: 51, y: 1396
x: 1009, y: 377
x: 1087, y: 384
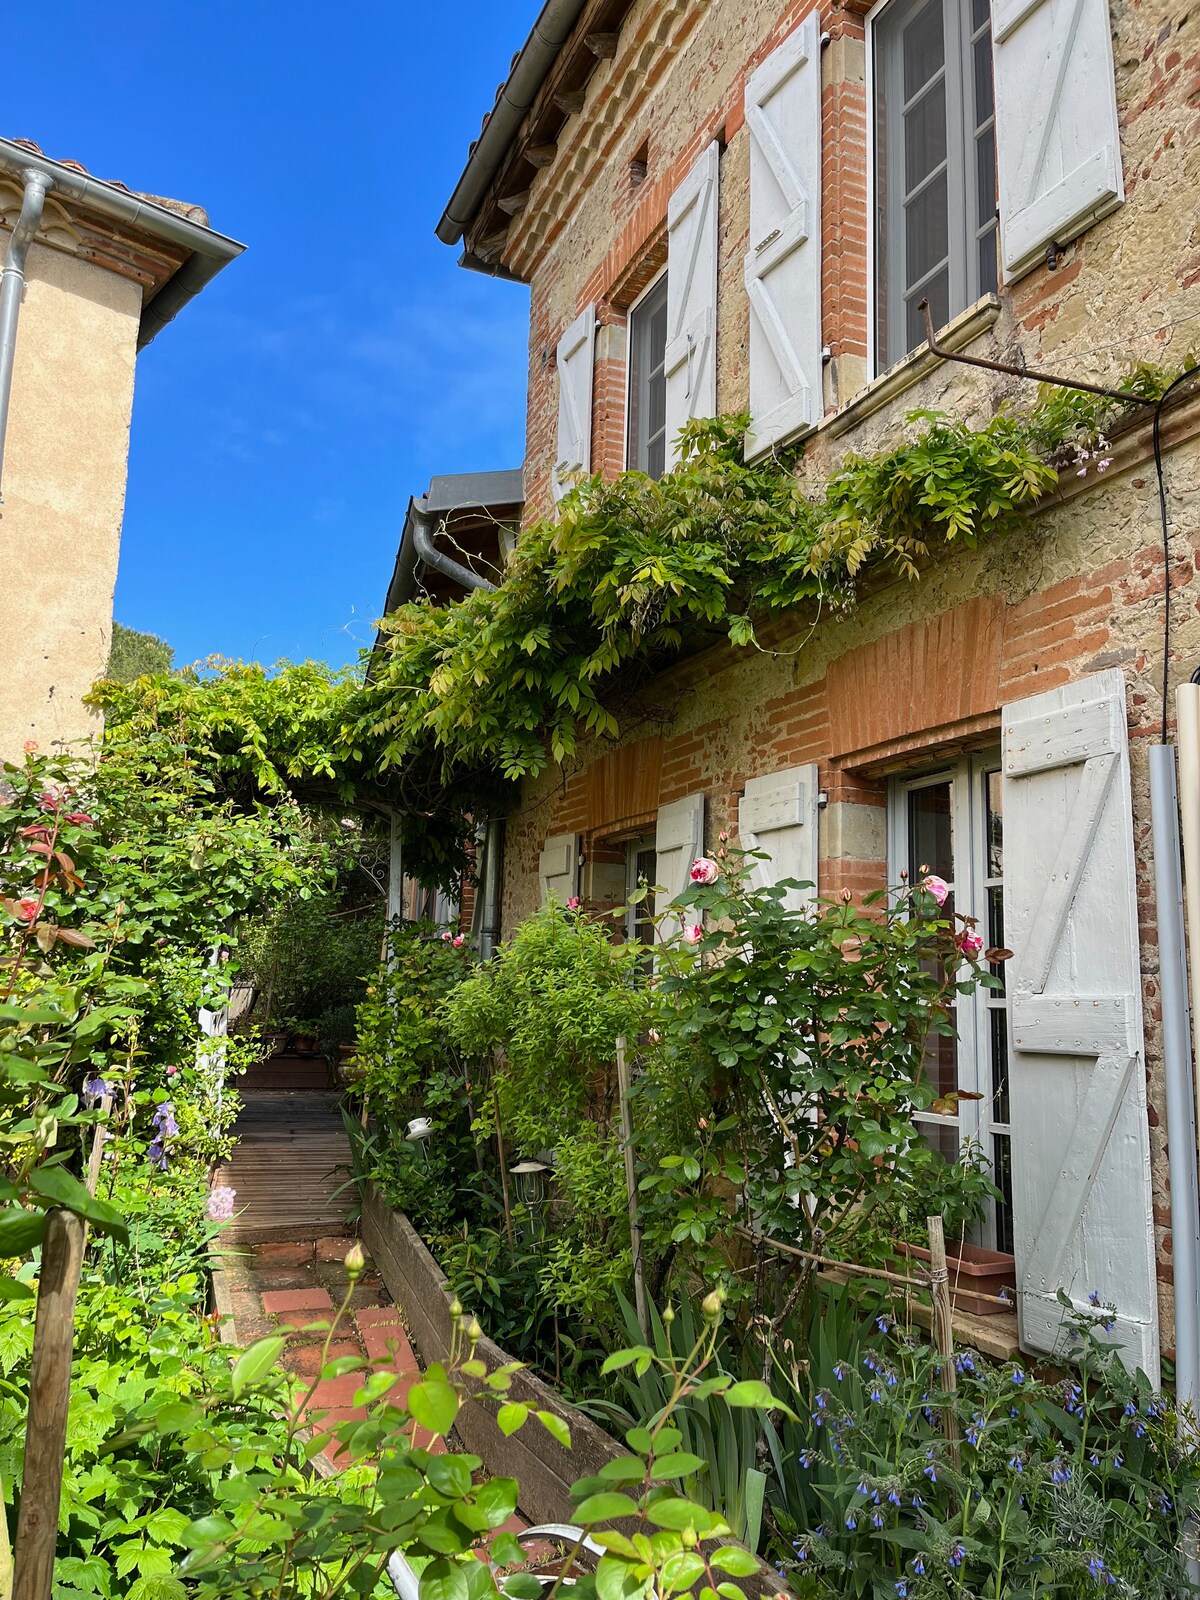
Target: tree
x: 134, y: 655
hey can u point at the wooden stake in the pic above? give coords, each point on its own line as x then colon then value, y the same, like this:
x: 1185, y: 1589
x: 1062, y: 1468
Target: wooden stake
x: 508, y: 1227
x: 98, y: 1137
x: 635, y: 1227
x: 49, y: 1395
x: 943, y: 1331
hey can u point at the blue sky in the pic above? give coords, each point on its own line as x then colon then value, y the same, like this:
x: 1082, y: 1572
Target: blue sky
x: 282, y: 421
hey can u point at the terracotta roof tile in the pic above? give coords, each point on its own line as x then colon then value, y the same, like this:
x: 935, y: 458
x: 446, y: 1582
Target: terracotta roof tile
x: 183, y: 208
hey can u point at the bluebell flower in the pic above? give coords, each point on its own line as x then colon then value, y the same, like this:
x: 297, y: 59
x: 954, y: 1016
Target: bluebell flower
x: 1097, y: 1568
x: 893, y: 1497
x: 863, y: 1487
x: 1118, y: 1460
x: 1140, y: 1431
x: 840, y: 1369
x: 975, y: 1431
x: 1059, y: 1471
x: 1094, y: 1298
x: 876, y: 1519
x: 1094, y: 1459
x: 806, y: 1457
x: 902, y: 1588
x: 157, y: 1155
x: 1016, y: 1463
x: 889, y: 1378
x: 958, y: 1554
x: 837, y: 1449
x: 822, y: 1402
x: 875, y: 1392
x: 917, y: 1502
x: 95, y: 1088
x: 1131, y: 1408
x: 964, y: 1362
x: 851, y: 1520
x: 1018, y: 1376
x: 818, y: 1420
x: 1108, y: 1328
x: 930, y: 1472
x: 883, y: 1324
x: 870, y: 1363
x: 918, y: 1566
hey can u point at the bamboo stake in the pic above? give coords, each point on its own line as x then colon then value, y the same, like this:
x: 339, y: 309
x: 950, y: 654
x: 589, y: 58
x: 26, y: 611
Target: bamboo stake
x: 98, y: 1138
x: 508, y: 1226
x: 855, y: 1270
x: 635, y: 1227
x: 49, y: 1395
x: 943, y: 1331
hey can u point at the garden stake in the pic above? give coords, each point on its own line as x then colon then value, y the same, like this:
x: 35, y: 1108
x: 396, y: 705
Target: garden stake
x: 508, y: 1227
x: 635, y: 1227
x: 93, y: 1173
x: 49, y: 1396
x: 943, y: 1331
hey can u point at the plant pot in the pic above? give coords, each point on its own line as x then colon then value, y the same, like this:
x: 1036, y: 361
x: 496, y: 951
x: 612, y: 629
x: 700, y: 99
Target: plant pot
x: 974, y: 1272
x: 348, y: 1069
x: 304, y: 1044
x: 273, y: 1041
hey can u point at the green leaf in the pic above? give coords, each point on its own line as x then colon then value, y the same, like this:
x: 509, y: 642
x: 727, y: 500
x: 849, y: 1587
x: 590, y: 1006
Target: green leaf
x: 679, y: 1465
x: 731, y: 1558
x: 521, y: 1586
x: 605, y: 1508
x: 252, y: 1366
x: 497, y: 1499
x: 556, y: 1428
x: 752, y: 1393
x: 20, y: 1230
x: 625, y: 1358
x: 14, y: 1289
x: 680, y: 1571
x: 511, y: 1416
x: 443, y: 1580
x: 433, y: 1404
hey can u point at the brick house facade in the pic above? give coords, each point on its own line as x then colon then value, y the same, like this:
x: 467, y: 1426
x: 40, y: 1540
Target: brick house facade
x: 993, y: 718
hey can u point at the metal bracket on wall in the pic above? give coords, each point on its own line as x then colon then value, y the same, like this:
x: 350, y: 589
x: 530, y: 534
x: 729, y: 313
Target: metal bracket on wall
x: 1024, y: 372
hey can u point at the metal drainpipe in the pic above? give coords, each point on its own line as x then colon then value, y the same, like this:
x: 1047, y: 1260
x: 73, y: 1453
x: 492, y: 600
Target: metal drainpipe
x: 12, y: 288
x: 423, y: 524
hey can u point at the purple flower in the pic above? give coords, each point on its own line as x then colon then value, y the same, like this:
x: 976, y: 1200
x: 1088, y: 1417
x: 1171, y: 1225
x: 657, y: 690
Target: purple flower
x: 95, y: 1088
x: 163, y: 1121
x: 840, y: 1369
x: 1016, y: 1463
x: 918, y: 1566
x: 1059, y: 1471
x: 1018, y: 1377
x: 851, y: 1520
x: 1093, y: 1298
x: 806, y: 1457
x: 157, y: 1155
x: 220, y: 1203
x: 958, y: 1554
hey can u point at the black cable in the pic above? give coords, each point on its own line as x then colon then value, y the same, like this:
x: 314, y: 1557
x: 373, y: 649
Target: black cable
x: 1166, y: 537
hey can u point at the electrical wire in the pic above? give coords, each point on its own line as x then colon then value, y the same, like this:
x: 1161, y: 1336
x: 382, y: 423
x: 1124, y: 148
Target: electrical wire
x: 1166, y: 534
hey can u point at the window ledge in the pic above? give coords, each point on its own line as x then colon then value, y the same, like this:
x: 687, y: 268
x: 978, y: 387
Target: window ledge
x: 909, y: 371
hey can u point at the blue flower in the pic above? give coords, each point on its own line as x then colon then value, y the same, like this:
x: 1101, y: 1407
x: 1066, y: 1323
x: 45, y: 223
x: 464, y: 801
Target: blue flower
x: 1118, y: 1460
x: 883, y: 1324
x: 157, y: 1155
x: 840, y: 1369
x: 975, y: 1431
x: 1016, y: 1463
x: 918, y: 1566
x: 1059, y: 1471
x: 95, y: 1088
x: 870, y: 1363
x: 1094, y: 1298
x: 818, y: 1420
x: 851, y: 1520
x: 964, y: 1362
x: 876, y: 1519
x: 889, y: 1378
x: 1131, y: 1408
x: 822, y: 1402
x: 1097, y: 1568
x: 1094, y: 1459
x: 893, y: 1497
x: 863, y: 1487
x: 1018, y: 1376
x: 1108, y: 1328
x: 930, y: 1472
x: 902, y: 1588
x: 806, y: 1457
x: 958, y: 1554
x: 917, y: 1502
x: 875, y: 1392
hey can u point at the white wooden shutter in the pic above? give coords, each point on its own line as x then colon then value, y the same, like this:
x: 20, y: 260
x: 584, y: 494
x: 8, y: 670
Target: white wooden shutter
x: 1080, y: 1142
x: 783, y: 267
x: 778, y: 814
x: 1058, y: 152
x: 558, y: 868
x: 678, y: 840
x: 691, y: 358
x: 575, y: 368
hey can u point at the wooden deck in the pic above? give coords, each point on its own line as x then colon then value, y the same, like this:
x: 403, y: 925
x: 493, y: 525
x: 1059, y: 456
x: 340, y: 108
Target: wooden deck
x: 291, y: 1156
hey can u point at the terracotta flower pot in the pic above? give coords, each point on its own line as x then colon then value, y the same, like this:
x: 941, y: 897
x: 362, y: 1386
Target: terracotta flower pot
x: 304, y: 1044
x: 974, y: 1272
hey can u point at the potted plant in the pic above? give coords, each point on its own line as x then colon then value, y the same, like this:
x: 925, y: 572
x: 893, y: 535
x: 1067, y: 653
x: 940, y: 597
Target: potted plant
x: 958, y: 1192
x: 303, y: 1033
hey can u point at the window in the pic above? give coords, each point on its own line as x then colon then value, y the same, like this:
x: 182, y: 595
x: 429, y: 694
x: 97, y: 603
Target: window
x: 951, y: 823
x: 935, y: 166
x: 646, y: 440
x: 641, y: 863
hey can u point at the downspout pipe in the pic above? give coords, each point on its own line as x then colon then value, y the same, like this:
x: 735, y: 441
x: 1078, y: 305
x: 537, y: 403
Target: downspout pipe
x: 12, y: 290
x: 1180, y: 1096
x: 423, y: 528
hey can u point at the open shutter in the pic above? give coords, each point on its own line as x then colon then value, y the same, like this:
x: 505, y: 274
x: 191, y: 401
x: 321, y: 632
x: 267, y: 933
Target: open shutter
x: 778, y: 814
x: 575, y: 367
x: 678, y: 840
x: 783, y: 268
x: 1058, y: 153
x: 691, y: 365
x: 558, y: 868
x: 1080, y: 1142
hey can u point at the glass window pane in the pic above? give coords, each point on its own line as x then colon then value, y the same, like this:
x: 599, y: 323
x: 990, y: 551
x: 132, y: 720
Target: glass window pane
x: 931, y: 843
x: 998, y: 1050
x: 985, y: 178
x: 924, y: 47
x: 1002, y: 1178
x: 937, y: 292
x: 988, y: 265
x: 930, y: 833
x: 981, y: 50
x: 926, y: 231
x: 646, y: 448
x: 994, y: 800
x: 925, y: 135
x: 979, y: 14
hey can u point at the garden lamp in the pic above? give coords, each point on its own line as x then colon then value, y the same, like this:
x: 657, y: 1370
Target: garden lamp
x: 530, y: 1177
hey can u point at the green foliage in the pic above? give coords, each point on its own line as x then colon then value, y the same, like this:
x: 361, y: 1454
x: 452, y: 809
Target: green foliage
x: 585, y: 1259
x: 796, y: 1040
x: 401, y: 1049
x: 1067, y: 1487
x: 549, y: 1009
x: 136, y: 655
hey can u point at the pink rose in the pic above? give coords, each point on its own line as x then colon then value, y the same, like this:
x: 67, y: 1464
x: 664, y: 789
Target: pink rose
x: 446, y: 938
x: 937, y: 887
x: 704, y: 870
x: 723, y: 836
x: 27, y: 910
x: 693, y: 934
x: 30, y: 746
x: 573, y: 903
x: 459, y: 940
x: 970, y: 944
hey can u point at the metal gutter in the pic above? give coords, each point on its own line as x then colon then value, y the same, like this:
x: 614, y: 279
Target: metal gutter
x: 424, y: 524
x: 529, y: 72
x: 12, y: 289
x: 209, y: 250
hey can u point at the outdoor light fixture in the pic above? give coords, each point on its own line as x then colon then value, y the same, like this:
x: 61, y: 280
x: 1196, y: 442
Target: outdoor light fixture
x: 530, y: 1179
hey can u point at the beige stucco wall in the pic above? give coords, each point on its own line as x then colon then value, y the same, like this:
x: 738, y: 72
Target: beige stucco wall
x: 64, y: 493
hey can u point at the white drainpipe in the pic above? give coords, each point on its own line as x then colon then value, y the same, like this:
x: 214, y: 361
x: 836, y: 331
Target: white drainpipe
x: 12, y: 289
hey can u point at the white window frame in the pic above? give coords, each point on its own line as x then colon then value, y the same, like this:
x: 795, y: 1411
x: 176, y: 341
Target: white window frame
x: 658, y: 278
x: 966, y: 776
x: 876, y: 367
x: 634, y: 913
